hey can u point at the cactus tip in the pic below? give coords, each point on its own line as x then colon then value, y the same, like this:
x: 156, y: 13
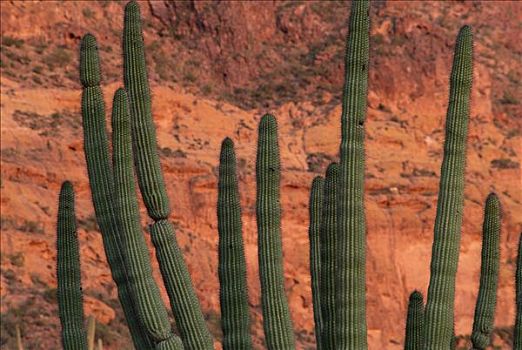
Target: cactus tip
x: 88, y: 42
x: 227, y: 142
x: 416, y: 295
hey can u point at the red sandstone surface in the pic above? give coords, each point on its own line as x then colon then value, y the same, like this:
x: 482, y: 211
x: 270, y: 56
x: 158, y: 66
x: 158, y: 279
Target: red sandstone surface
x: 215, y: 68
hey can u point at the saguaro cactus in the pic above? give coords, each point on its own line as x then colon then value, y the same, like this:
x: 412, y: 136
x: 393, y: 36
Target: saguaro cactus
x: 96, y: 148
x: 183, y: 300
x: 438, y: 323
x: 351, y: 253
x: 328, y: 254
x: 235, y: 321
x: 487, y: 297
x: 314, y: 230
x: 414, y: 322
x: 276, y: 316
x: 68, y: 272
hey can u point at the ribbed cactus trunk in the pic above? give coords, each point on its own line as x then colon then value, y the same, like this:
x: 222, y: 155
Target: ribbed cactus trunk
x: 314, y: 230
x: 445, y: 252
x: 351, y: 253
x: 276, y: 315
x: 517, y: 333
x: 328, y: 257
x: 483, y: 323
x: 70, y: 306
x: 149, y: 306
x: 183, y: 300
x: 414, y: 322
x: 233, y: 292
x: 96, y: 147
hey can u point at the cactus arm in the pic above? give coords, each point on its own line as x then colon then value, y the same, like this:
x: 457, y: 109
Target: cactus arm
x: 148, y: 169
x: 277, y: 323
x: 144, y: 290
x: 448, y: 222
x: 233, y: 294
x: 328, y: 259
x: 351, y: 298
x: 517, y: 333
x: 183, y: 299
x: 99, y: 168
x: 69, y: 290
x: 315, y: 211
x: 414, y: 322
x: 487, y: 298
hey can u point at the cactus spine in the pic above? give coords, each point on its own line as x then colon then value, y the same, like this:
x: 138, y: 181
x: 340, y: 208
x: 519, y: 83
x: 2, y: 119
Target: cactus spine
x: 314, y: 230
x: 414, y: 322
x: 328, y: 250
x: 183, y: 300
x: 69, y: 290
x: 351, y: 254
x: 487, y: 297
x: 276, y: 316
x: 517, y: 333
x: 235, y: 320
x: 441, y: 292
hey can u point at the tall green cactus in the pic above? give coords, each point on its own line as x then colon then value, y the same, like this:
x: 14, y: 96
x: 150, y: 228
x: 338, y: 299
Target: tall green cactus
x: 183, y: 300
x: 517, y: 333
x: 414, y: 322
x: 68, y: 272
x: 145, y: 293
x: 276, y: 316
x: 235, y: 320
x: 328, y: 261
x: 438, y: 323
x: 96, y: 149
x: 314, y: 231
x: 351, y: 248
x: 487, y: 297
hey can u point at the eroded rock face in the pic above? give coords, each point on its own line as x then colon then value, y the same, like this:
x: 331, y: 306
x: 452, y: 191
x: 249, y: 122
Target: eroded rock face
x: 215, y: 69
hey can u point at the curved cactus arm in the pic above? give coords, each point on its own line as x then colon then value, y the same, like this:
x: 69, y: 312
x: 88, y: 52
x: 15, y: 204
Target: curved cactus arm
x: 414, y: 322
x: 70, y: 300
x: 183, y: 299
x: 517, y: 333
x: 487, y: 297
x: 314, y: 230
x: 233, y: 294
x: 445, y: 251
x: 276, y: 315
x: 351, y: 255
x: 144, y: 290
x: 96, y: 147
x: 328, y: 258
